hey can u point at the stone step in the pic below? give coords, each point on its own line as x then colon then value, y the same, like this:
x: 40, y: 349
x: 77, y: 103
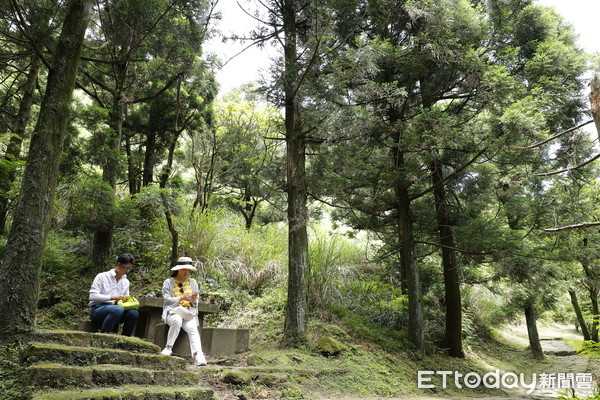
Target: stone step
x: 75, y: 355
x: 101, y: 340
x: 51, y: 375
x: 130, y: 392
x: 259, y: 370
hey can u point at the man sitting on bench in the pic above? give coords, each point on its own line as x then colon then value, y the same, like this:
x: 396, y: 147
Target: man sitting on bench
x: 108, y: 288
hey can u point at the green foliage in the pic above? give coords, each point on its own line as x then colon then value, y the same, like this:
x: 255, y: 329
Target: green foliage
x: 62, y: 304
x: 263, y: 315
x: 570, y: 395
x: 249, y: 260
x: 14, y: 382
x: 363, y: 328
x: 588, y: 348
x: 383, y: 302
x: 483, y: 310
x: 331, y: 265
x: 92, y: 204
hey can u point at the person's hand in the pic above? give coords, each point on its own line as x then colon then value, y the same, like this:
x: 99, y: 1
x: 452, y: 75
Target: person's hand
x: 189, y: 297
x: 118, y: 297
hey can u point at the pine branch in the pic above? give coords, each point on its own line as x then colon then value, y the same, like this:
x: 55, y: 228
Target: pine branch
x: 533, y: 146
x: 571, y: 227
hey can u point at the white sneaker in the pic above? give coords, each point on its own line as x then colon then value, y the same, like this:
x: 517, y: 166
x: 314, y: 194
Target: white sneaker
x: 199, y: 359
x: 167, y: 351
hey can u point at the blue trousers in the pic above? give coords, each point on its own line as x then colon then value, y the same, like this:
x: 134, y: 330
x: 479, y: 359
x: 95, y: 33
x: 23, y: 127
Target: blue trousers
x: 110, y: 316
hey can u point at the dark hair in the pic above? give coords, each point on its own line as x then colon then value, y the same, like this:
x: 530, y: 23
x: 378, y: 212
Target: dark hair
x: 126, y: 258
x: 174, y: 274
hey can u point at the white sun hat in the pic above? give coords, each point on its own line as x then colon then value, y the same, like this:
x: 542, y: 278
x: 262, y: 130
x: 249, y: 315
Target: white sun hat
x: 184, y: 263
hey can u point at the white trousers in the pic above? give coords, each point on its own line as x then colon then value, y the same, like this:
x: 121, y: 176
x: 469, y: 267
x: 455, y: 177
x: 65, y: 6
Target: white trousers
x: 175, y: 323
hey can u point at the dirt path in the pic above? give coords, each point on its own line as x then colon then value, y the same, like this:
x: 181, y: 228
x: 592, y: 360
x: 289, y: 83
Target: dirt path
x: 563, y: 361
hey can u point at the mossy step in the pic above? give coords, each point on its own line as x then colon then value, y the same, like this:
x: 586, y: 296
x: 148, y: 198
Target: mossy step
x: 87, y: 339
x: 258, y: 370
x: 130, y: 392
x: 52, y: 375
x: 74, y: 355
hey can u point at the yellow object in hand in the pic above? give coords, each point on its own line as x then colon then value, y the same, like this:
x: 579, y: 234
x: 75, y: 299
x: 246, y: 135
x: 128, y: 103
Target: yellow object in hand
x: 185, y: 303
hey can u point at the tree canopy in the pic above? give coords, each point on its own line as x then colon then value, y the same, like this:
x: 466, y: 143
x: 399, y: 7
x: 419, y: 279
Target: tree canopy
x: 448, y: 132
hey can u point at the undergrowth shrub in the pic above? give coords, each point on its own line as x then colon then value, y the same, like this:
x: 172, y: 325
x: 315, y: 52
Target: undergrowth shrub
x: 482, y: 310
x: 362, y: 327
x: 332, y: 263
x: 14, y: 380
x: 250, y: 260
x: 383, y: 302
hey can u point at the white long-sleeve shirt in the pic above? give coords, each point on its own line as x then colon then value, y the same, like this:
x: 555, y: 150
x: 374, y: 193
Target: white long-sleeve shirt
x: 106, y: 285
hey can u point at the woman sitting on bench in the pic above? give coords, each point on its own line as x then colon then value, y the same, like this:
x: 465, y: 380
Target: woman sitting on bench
x: 180, y: 309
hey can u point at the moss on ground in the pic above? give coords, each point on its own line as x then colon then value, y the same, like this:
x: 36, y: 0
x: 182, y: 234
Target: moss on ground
x: 375, y: 361
x: 131, y: 393
x: 77, y: 338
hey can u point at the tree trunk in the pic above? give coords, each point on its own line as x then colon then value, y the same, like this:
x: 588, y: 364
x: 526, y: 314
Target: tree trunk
x: 102, y: 247
x: 408, y: 264
x: 164, y: 178
x: 13, y: 150
x: 595, y: 314
x: 453, y: 332
x: 410, y: 268
x: 173, y: 230
x: 295, y: 313
x: 248, y: 208
x: 584, y: 328
x: 593, y: 289
x: 150, y: 154
x: 21, y: 269
x: 532, y: 332
x: 595, y: 102
x: 132, y: 172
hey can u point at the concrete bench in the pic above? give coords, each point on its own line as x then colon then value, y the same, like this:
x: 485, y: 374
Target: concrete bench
x: 225, y: 341
x: 87, y: 326
x: 151, y: 316
x: 215, y: 341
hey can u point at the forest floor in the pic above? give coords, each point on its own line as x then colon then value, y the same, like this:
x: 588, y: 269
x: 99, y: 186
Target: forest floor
x: 561, y: 358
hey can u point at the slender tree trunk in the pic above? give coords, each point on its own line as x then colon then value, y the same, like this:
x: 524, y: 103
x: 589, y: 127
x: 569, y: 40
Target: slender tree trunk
x: 150, y: 154
x: 584, y: 328
x: 595, y: 102
x: 532, y: 331
x: 453, y: 332
x: 164, y: 178
x: 248, y: 209
x: 173, y: 230
x: 595, y: 314
x: 593, y: 288
x: 21, y: 269
x: 410, y: 268
x: 132, y: 173
x: 8, y: 172
x: 295, y: 313
x: 408, y: 263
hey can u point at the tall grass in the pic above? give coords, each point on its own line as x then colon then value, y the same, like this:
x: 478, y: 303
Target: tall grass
x: 333, y: 261
x: 246, y: 259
